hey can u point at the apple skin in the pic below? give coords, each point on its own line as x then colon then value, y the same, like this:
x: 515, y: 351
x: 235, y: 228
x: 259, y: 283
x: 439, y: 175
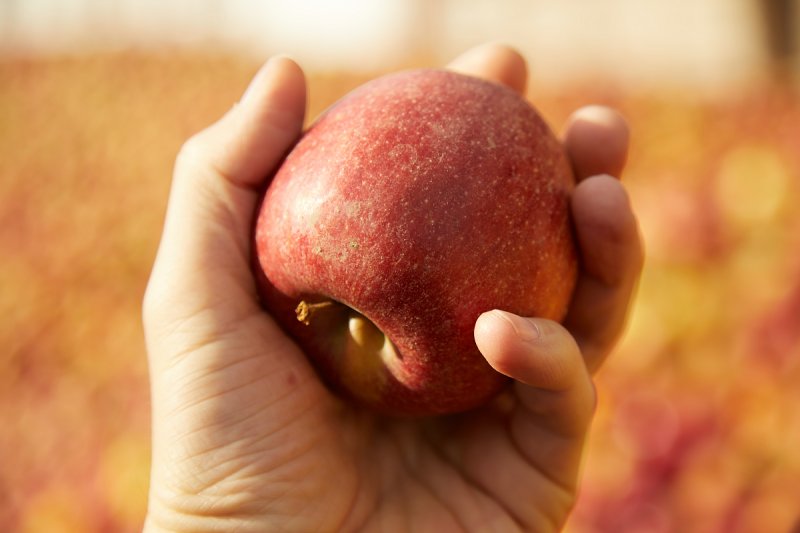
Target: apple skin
x: 419, y: 200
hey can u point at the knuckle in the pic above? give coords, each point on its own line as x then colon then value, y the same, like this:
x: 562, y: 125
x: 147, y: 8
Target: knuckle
x: 192, y: 152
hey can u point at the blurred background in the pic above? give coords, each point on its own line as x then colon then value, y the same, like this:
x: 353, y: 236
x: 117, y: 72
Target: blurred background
x: 699, y: 419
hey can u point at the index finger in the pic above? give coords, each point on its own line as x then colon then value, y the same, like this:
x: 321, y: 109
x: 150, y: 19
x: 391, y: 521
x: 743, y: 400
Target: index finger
x: 612, y: 256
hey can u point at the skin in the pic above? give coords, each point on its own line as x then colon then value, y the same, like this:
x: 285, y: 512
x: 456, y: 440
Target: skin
x: 246, y: 438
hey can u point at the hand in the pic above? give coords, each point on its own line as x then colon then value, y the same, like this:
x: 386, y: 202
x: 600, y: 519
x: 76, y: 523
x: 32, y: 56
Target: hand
x: 246, y: 438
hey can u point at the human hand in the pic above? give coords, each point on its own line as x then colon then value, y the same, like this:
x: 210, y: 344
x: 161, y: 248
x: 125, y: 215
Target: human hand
x: 245, y: 436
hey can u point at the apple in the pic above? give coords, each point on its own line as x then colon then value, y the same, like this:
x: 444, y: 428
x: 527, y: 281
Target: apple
x: 415, y: 203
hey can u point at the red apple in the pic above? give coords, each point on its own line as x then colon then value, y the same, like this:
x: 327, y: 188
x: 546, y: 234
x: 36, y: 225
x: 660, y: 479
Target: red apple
x: 411, y: 206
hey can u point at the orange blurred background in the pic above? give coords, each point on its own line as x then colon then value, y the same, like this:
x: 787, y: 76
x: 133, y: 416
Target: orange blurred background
x: 699, y: 415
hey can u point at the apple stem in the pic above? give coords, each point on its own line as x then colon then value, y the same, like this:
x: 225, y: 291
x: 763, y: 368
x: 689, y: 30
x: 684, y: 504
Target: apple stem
x: 305, y: 310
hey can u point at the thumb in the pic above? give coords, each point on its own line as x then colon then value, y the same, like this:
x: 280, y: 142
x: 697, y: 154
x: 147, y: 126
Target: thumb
x: 554, y: 392
x: 552, y: 380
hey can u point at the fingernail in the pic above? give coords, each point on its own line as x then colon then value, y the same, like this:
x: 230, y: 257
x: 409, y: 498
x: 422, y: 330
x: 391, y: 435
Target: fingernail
x: 525, y: 328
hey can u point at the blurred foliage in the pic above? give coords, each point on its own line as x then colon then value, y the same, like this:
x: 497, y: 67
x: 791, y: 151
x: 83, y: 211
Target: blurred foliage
x: 698, y: 414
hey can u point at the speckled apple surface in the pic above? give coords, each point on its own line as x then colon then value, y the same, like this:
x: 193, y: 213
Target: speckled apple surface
x: 418, y: 201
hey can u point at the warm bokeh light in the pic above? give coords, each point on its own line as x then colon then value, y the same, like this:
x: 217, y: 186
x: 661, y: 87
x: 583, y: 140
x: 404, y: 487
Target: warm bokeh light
x: 699, y: 416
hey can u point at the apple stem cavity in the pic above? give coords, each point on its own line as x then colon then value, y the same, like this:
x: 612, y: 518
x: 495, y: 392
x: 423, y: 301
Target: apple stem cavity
x: 305, y: 311
x: 365, y: 333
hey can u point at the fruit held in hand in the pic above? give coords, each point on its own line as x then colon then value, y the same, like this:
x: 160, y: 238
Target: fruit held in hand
x: 414, y: 204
